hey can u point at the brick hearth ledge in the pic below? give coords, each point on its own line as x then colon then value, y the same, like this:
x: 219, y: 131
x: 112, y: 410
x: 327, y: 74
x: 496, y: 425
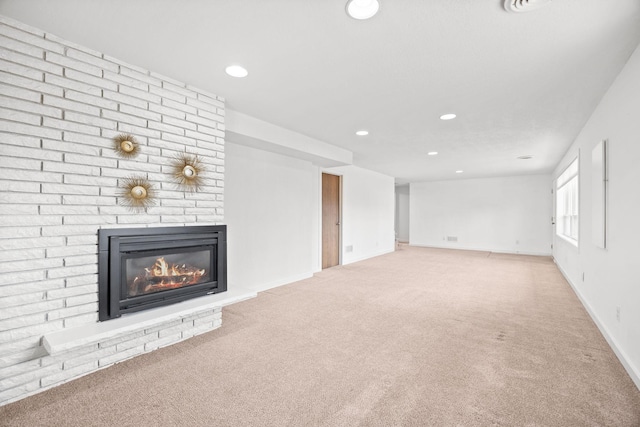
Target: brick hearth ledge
x: 74, y: 338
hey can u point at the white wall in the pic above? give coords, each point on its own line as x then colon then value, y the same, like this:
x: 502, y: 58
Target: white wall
x: 271, y: 211
x: 368, y: 213
x: 506, y: 214
x: 611, y: 276
x: 402, y: 213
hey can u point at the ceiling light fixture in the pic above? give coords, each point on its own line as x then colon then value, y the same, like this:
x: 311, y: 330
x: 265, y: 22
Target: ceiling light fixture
x: 362, y: 9
x: 362, y: 133
x: 236, y: 71
x: 524, y: 5
x: 432, y: 153
x: 448, y: 116
x: 459, y: 171
x: 525, y: 157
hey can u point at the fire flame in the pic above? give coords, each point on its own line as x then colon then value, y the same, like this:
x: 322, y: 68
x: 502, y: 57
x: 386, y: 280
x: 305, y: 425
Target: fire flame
x: 162, y: 269
x: 163, y: 276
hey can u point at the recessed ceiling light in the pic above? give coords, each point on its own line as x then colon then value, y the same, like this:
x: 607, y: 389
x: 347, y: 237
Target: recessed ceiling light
x: 525, y: 157
x: 362, y: 9
x: 432, y: 153
x: 362, y: 133
x: 236, y: 71
x: 459, y: 171
x: 447, y: 116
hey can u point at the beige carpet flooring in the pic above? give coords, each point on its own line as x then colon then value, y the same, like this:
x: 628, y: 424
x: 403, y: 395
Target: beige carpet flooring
x: 419, y: 337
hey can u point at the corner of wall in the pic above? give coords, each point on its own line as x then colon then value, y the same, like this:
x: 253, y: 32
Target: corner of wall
x: 631, y: 369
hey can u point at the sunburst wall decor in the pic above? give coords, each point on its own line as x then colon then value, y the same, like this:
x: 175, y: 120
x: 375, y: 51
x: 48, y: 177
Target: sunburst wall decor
x: 126, y: 145
x: 187, y: 170
x: 137, y: 193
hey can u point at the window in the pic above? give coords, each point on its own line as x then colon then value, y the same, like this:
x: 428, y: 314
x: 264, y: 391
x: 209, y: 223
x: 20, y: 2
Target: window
x: 567, y: 203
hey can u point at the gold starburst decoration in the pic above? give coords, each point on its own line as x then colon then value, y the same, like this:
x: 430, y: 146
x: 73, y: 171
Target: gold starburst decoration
x: 126, y: 145
x: 187, y: 170
x: 137, y: 193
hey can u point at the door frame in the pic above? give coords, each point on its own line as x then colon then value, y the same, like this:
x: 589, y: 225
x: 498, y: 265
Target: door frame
x: 554, y: 215
x: 340, y: 214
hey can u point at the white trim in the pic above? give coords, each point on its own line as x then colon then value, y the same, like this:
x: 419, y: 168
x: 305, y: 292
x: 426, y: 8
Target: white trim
x: 561, y: 184
x: 468, y: 248
x: 370, y: 256
x: 563, y: 179
x: 620, y: 354
x: 568, y: 239
x: 280, y: 282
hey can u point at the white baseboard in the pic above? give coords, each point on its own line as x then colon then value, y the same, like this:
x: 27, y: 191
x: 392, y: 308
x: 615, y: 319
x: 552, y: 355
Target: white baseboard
x: 496, y: 251
x: 384, y: 252
x: 261, y: 287
x: 628, y: 366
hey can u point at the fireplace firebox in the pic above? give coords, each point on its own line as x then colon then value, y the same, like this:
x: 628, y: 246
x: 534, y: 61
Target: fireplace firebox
x: 142, y: 268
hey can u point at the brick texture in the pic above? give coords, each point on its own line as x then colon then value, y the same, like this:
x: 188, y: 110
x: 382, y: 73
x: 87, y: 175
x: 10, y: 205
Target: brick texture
x: 60, y: 106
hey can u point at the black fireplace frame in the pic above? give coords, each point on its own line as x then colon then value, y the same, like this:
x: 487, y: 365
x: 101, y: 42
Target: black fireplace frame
x: 115, y: 245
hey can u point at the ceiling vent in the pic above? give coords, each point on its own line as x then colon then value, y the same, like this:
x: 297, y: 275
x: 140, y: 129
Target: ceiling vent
x: 524, y: 5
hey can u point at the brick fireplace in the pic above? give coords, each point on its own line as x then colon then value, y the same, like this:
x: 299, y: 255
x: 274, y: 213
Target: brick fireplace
x: 143, y: 268
x: 61, y: 105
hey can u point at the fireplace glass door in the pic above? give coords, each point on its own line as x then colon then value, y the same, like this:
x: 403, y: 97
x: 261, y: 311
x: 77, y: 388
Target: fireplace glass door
x: 147, y: 274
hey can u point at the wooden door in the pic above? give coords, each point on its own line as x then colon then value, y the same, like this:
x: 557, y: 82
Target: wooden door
x: 330, y: 220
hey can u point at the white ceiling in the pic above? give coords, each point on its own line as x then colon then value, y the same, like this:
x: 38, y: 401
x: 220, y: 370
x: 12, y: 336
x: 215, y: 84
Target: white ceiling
x: 520, y: 83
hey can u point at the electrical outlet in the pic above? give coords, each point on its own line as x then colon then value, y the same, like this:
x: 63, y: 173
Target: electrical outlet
x: 583, y: 276
x: 618, y: 314
x: 349, y: 248
x: 517, y: 242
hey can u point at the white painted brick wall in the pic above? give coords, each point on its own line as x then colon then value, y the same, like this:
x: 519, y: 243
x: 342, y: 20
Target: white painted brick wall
x: 60, y: 105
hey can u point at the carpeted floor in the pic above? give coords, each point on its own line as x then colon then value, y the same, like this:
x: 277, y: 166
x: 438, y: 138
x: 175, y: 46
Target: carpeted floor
x: 419, y: 337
